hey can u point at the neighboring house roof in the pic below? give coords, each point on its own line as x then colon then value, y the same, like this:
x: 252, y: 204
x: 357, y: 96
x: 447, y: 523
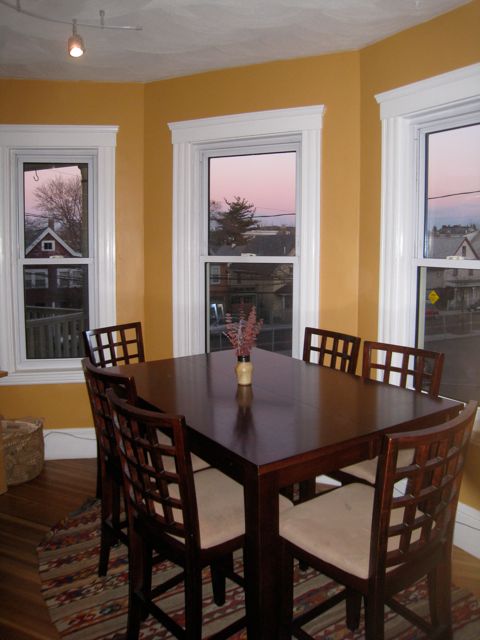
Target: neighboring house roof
x: 281, y: 244
x: 48, y: 231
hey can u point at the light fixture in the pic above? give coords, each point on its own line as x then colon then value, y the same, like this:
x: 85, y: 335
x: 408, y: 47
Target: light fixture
x: 76, y: 47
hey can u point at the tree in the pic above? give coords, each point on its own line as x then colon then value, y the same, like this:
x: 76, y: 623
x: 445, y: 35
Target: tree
x: 62, y: 200
x: 231, y: 227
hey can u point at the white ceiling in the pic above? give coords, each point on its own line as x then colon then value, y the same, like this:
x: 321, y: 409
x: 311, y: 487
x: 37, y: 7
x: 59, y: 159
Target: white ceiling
x: 181, y: 37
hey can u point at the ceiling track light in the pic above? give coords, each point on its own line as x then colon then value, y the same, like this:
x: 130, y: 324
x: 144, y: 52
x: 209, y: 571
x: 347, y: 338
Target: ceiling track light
x: 76, y: 46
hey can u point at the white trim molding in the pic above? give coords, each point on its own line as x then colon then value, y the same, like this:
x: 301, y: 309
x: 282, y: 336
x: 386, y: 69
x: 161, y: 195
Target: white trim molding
x: 404, y: 112
x: 97, y: 143
x: 303, y: 125
x: 67, y: 444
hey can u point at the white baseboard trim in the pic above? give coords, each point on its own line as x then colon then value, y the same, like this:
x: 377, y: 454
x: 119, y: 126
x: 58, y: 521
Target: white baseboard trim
x: 467, y: 529
x: 62, y: 444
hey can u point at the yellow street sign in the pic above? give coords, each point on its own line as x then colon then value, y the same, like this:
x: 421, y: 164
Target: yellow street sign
x: 433, y: 296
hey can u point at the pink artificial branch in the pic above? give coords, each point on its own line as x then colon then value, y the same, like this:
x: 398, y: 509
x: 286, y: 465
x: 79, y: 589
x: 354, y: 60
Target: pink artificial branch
x: 243, y: 334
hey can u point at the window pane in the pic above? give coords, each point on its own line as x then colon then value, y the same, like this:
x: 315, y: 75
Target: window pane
x: 252, y: 205
x: 452, y: 209
x: 56, y: 311
x: 266, y: 286
x: 55, y: 209
x: 450, y: 299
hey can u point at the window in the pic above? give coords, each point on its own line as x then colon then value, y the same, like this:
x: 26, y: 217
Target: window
x: 430, y: 267
x: 260, y: 222
x: 272, y: 265
x: 57, y: 228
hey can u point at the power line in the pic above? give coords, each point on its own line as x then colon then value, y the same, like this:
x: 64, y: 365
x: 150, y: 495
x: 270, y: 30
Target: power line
x: 449, y: 195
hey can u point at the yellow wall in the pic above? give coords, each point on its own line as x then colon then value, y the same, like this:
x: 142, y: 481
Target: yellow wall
x: 267, y: 86
x: 38, y: 102
x: 444, y: 44
x: 350, y: 218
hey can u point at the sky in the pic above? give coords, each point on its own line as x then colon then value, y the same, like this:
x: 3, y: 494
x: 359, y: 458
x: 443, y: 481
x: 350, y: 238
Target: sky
x: 34, y: 179
x: 454, y: 167
x: 265, y: 180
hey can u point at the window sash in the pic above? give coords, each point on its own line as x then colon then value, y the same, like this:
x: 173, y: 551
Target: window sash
x: 85, y: 140
x: 190, y: 138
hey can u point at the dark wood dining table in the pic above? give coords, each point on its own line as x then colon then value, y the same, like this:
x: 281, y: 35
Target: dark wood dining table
x: 297, y: 420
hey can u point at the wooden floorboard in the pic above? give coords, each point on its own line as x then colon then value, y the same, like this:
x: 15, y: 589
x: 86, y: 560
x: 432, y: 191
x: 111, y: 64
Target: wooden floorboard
x: 28, y: 511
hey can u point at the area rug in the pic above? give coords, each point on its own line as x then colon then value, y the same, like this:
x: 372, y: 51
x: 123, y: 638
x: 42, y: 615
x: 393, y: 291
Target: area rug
x: 85, y: 607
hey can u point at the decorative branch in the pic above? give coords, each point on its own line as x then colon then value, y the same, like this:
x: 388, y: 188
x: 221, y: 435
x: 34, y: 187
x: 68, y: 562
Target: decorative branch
x: 243, y: 334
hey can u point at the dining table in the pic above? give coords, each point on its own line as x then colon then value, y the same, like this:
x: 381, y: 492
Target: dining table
x: 296, y: 421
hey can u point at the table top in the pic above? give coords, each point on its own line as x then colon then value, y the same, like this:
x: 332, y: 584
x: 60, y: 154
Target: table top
x: 292, y: 410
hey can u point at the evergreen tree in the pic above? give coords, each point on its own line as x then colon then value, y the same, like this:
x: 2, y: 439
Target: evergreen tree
x: 231, y: 227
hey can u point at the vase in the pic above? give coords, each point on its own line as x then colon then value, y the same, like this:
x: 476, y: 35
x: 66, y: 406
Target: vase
x: 244, y: 369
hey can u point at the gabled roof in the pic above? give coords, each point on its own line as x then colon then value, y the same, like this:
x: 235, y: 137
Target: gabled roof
x: 48, y: 231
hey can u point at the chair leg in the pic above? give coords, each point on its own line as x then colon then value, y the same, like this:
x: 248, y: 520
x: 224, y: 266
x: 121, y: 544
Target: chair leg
x: 137, y: 556
x: 193, y: 602
x: 98, y: 492
x: 440, y: 599
x: 286, y: 605
x: 374, y: 618
x: 353, y: 604
x: 219, y: 569
x: 107, y: 537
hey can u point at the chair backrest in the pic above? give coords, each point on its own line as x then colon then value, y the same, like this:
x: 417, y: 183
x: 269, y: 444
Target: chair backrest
x: 98, y: 380
x: 415, y: 505
x: 331, y: 349
x: 157, y: 470
x: 409, y: 367
x: 115, y: 345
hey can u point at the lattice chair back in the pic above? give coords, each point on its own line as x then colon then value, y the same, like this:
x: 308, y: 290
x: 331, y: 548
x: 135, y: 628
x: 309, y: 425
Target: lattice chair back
x: 115, y: 345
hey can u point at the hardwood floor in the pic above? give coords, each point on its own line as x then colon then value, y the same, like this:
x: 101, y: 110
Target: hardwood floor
x: 27, y: 512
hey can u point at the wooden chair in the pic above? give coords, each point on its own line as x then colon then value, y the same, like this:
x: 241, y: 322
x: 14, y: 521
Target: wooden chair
x: 194, y: 520
x: 378, y: 540
x: 109, y: 346
x: 410, y: 367
x: 113, y: 522
x: 115, y: 345
x: 336, y: 351
x: 331, y: 349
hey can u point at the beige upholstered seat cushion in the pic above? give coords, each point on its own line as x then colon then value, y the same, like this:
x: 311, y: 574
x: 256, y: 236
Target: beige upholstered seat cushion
x: 367, y: 470
x: 220, y: 505
x: 336, y: 527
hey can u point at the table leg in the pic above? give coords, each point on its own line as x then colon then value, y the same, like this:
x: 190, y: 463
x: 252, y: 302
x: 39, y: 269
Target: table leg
x: 262, y: 557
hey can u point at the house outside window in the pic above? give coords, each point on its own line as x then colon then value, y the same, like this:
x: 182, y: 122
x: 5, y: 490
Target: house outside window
x: 248, y: 276
x: 430, y: 258
x: 58, y: 264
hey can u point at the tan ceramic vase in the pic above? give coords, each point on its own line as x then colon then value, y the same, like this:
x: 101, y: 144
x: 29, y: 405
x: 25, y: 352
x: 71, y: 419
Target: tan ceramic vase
x: 244, y: 370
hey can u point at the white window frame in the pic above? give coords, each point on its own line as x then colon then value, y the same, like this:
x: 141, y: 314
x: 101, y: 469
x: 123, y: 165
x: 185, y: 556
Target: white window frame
x: 406, y: 113
x: 98, y: 142
x: 190, y: 138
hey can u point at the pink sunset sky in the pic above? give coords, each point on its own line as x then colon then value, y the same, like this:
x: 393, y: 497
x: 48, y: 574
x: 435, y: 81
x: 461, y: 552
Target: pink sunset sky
x: 266, y: 180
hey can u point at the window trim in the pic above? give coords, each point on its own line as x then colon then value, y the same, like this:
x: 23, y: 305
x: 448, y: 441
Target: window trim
x: 100, y: 141
x: 404, y: 112
x: 188, y: 138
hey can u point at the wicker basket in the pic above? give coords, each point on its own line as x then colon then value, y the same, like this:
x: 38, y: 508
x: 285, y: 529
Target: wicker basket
x: 23, y: 449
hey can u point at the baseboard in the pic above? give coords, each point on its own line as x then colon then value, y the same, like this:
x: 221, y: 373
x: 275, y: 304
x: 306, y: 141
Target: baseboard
x: 467, y: 528
x: 61, y: 444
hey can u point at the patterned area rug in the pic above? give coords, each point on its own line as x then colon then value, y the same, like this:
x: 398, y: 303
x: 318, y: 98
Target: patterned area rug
x: 85, y: 607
